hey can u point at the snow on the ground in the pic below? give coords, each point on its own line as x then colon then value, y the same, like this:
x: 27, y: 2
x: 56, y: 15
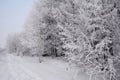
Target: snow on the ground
x: 29, y: 68
x: 4, y: 70
x: 18, y: 71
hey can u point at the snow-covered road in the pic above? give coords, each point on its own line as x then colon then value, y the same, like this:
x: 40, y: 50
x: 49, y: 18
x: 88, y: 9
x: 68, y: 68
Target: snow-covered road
x: 11, y: 69
x: 49, y: 69
x: 4, y: 69
x: 18, y: 71
x: 28, y: 68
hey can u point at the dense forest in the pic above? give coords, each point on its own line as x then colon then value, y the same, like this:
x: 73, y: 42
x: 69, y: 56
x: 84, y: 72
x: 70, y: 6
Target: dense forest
x: 83, y: 32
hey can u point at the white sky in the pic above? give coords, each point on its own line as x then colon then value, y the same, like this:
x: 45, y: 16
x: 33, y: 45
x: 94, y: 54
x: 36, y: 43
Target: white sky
x: 13, y: 14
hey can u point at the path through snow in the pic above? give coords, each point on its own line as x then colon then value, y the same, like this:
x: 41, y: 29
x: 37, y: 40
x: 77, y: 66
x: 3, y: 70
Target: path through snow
x: 4, y: 69
x: 18, y: 71
x: 28, y: 68
x: 49, y: 69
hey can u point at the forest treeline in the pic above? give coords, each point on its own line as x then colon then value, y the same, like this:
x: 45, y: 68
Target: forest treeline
x: 86, y: 32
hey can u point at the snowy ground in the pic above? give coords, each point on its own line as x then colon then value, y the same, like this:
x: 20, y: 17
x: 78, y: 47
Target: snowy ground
x: 4, y: 70
x: 28, y: 68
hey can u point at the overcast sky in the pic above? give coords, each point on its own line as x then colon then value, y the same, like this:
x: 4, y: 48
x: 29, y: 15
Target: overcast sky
x: 12, y: 16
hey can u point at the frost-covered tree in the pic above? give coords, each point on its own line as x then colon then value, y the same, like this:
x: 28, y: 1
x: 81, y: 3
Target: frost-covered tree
x: 32, y: 38
x: 86, y: 31
x: 99, y: 34
x: 14, y: 44
x: 42, y: 27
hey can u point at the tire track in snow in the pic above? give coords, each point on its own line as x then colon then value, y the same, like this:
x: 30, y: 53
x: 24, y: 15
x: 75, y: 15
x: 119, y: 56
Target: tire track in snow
x: 18, y: 71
